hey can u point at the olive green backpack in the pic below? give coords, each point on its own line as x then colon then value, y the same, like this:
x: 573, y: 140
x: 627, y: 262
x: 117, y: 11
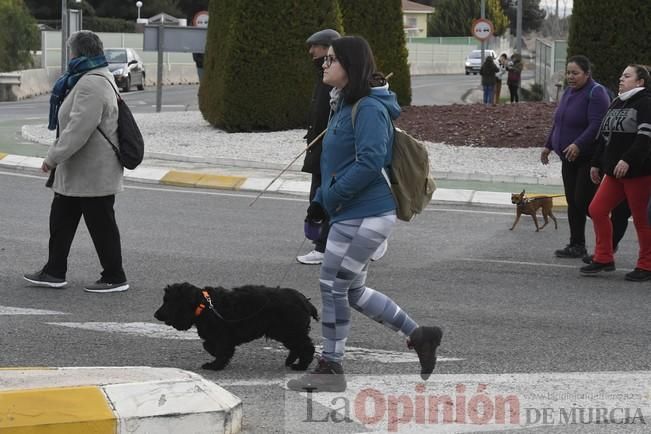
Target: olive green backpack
x: 410, y: 179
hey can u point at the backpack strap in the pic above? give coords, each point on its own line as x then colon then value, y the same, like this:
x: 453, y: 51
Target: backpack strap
x: 115, y: 148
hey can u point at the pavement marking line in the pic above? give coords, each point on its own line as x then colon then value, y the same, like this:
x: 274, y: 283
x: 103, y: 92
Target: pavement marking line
x: 68, y: 410
x: 506, y: 262
x: 161, y: 331
x: 9, y: 310
x: 145, y: 329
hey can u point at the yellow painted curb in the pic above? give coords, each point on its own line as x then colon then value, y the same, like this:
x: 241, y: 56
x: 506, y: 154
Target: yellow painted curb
x: 221, y: 181
x: 174, y: 177
x: 2, y: 155
x: 205, y: 180
x: 66, y: 410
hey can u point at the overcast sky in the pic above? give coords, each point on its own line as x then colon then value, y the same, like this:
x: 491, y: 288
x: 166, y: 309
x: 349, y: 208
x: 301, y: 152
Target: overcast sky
x: 564, y: 6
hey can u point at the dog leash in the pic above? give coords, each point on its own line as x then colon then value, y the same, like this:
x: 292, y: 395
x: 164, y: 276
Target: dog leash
x: 544, y: 197
x: 287, y: 268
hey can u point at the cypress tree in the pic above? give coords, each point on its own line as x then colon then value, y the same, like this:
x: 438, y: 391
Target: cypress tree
x: 257, y: 73
x: 611, y: 35
x: 380, y: 23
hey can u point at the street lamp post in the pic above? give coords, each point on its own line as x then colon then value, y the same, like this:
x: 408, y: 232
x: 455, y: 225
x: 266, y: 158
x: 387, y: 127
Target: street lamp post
x: 64, y: 36
x: 138, y: 5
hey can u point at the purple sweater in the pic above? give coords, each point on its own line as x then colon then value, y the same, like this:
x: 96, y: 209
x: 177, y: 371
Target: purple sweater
x: 577, y: 118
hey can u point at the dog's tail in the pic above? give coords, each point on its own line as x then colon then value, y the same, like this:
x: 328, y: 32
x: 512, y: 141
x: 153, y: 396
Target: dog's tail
x: 311, y: 308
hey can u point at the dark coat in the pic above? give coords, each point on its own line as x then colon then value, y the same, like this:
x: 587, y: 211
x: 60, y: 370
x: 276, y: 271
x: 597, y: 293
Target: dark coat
x: 487, y: 72
x: 317, y: 120
x: 625, y: 135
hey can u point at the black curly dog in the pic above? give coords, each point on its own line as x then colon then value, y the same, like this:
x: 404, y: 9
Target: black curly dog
x: 226, y: 318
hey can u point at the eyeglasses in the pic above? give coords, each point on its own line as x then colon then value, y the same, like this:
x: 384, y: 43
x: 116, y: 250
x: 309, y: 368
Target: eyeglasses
x: 327, y: 61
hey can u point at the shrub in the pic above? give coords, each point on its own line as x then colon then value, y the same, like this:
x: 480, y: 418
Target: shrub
x: 111, y: 25
x: 534, y: 93
x: 18, y: 35
x: 380, y: 23
x: 257, y: 73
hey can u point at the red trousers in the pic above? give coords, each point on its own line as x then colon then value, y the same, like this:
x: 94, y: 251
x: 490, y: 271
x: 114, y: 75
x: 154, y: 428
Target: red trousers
x: 611, y: 193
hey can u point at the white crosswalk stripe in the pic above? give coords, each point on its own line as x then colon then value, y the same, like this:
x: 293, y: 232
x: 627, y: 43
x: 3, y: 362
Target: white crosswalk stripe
x: 161, y: 331
x: 9, y: 310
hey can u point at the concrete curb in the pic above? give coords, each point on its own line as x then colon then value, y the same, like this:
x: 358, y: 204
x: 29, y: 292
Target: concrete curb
x: 203, y: 179
x: 114, y: 400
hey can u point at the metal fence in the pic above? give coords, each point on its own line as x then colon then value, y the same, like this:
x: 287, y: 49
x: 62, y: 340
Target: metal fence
x: 550, y: 67
x: 446, y: 55
x: 177, y: 67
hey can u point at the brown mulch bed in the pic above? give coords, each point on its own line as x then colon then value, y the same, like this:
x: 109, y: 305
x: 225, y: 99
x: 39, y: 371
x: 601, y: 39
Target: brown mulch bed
x: 521, y: 125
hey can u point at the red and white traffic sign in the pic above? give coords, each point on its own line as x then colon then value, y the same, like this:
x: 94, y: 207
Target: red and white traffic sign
x: 200, y: 19
x: 482, y: 29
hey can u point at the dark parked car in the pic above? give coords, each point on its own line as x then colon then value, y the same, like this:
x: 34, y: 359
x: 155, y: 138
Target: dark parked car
x: 127, y: 67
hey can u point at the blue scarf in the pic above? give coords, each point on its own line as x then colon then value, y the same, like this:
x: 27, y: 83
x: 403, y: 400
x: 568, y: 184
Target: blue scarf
x: 77, y: 67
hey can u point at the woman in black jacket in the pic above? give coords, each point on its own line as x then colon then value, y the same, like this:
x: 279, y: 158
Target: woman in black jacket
x: 623, y: 156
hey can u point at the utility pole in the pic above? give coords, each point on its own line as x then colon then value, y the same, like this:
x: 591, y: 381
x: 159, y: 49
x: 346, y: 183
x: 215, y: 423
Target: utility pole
x: 518, y: 29
x: 64, y: 35
x: 483, y: 41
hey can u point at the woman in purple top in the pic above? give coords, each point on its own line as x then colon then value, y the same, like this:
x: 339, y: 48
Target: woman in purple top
x: 576, y: 124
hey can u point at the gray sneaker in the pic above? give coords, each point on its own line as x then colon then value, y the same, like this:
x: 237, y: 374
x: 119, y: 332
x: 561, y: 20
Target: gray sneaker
x: 41, y: 278
x: 101, y: 286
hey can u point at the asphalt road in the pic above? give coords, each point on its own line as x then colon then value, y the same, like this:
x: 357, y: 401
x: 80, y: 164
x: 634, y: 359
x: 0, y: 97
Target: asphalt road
x: 508, y: 307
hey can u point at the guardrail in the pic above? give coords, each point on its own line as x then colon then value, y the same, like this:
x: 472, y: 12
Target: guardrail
x: 9, y: 82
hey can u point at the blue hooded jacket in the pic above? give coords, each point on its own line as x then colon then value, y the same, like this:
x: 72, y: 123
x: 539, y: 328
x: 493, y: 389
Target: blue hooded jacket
x: 352, y: 159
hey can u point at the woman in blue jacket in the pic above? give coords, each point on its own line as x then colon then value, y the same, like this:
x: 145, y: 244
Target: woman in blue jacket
x: 357, y: 199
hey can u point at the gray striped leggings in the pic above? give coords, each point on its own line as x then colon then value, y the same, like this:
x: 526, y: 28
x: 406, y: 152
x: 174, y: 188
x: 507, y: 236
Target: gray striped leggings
x: 343, y: 276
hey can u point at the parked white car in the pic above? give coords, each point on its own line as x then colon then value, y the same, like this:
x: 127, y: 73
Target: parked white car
x: 473, y: 60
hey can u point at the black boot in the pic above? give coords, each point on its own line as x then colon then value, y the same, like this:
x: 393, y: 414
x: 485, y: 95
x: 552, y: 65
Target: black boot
x: 596, y: 267
x: 425, y: 340
x: 326, y: 377
x: 571, y: 251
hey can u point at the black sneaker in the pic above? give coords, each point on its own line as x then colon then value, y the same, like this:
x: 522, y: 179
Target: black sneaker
x: 587, y: 259
x: 597, y: 267
x: 41, y: 278
x: 571, y: 251
x: 326, y: 377
x: 425, y: 340
x: 638, y: 275
x: 101, y: 286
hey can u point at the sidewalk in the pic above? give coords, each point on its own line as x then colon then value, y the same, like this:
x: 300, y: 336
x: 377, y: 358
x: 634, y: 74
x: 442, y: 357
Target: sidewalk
x: 183, y: 150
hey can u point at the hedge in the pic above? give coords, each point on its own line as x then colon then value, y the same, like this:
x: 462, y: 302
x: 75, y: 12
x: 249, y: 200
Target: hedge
x: 612, y: 35
x: 380, y: 23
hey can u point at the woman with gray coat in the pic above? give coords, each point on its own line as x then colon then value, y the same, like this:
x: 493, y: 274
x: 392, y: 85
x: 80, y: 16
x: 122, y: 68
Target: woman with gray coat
x: 88, y: 173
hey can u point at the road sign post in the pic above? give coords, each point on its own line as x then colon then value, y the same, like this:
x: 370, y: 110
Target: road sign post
x: 482, y: 29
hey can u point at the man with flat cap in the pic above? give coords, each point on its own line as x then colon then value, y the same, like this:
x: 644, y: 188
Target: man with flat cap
x: 319, y: 112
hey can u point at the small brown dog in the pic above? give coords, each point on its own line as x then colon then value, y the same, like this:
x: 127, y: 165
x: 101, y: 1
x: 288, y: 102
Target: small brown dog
x: 529, y: 206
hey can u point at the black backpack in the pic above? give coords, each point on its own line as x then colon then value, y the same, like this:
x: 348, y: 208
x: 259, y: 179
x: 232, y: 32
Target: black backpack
x: 132, y: 147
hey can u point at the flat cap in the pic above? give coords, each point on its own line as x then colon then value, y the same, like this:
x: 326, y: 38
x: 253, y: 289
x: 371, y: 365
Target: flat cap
x: 323, y: 37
